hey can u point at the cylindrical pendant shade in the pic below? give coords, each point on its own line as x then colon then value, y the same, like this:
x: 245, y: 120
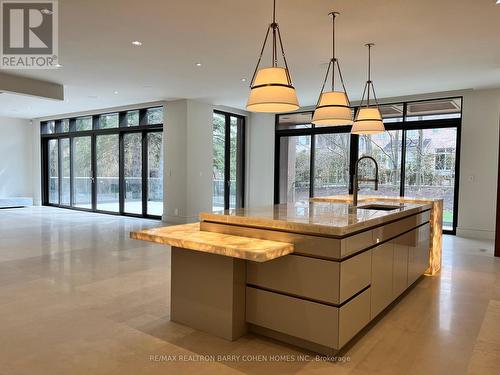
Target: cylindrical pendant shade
x: 332, y: 110
x: 368, y: 121
x: 271, y: 92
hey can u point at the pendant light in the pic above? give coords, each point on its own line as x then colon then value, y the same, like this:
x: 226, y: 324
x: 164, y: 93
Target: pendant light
x: 368, y: 119
x: 333, y: 107
x: 271, y: 88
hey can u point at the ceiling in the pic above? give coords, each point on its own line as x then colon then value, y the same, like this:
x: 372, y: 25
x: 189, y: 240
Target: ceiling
x: 421, y: 46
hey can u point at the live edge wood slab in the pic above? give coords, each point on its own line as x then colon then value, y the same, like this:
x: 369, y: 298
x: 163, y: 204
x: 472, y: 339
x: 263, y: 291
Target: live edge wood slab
x: 189, y: 236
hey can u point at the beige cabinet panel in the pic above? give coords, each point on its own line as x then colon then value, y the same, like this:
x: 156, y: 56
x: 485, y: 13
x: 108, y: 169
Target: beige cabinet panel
x: 382, y: 268
x: 325, y: 325
x: 333, y: 248
x: 317, y: 279
x: 296, y: 317
x: 394, y: 229
x: 418, y: 252
x: 298, y: 275
x: 400, y: 268
x: 355, y: 274
x: 353, y: 316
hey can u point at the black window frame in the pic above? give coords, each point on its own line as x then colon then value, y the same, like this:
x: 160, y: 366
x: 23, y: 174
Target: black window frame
x: 403, y: 125
x: 143, y: 127
x: 227, y: 158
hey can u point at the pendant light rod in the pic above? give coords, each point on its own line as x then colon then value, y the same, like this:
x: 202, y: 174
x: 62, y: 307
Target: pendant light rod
x: 369, y: 82
x: 274, y: 26
x: 334, y: 59
x: 331, y: 64
x: 276, y: 35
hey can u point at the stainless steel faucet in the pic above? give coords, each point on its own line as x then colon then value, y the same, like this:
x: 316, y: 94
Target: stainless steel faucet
x: 357, y: 179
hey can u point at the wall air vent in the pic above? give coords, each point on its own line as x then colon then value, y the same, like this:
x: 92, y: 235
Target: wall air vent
x: 434, y: 107
x: 391, y: 110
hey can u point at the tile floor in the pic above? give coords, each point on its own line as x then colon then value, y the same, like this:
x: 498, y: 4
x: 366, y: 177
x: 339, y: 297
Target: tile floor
x: 77, y: 296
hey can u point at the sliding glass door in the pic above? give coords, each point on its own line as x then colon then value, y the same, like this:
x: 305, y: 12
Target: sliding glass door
x: 82, y: 172
x: 431, y: 156
x: 155, y: 173
x: 53, y: 171
x: 107, y: 173
x: 228, y: 160
x: 331, y: 164
x: 417, y: 155
x: 111, y: 163
x: 386, y: 149
x: 132, y: 151
x: 295, y: 156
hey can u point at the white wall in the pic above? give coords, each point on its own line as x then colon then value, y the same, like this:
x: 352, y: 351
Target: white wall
x: 188, y: 160
x: 175, y: 161
x: 260, y: 160
x: 16, y: 158
x: 479, y: 164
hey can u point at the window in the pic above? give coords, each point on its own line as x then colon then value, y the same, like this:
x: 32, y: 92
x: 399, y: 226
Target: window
x: 132, y: 146
x: 154, y: 116
x: 444, y: 159
x: 331, y: 164
x: 155, y: 173
x: 430, y: 167
x: 386, y: 149
x: 64, y: 126
x: 108, y: 121
x: 296, y: 171
x: 91, y: 163
x: 65, y: 172
x: 53, y: 171
x: 228, y: 160
x: 417, y: 155
x: 132, y: 118
x: 83, y: 123
x: 82, y: 170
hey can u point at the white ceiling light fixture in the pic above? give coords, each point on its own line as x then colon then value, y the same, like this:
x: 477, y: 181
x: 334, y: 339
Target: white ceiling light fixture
x: 271, y: 88
x: 198, y: 64
x: 137, y: 43
x: 115, y: 92
x: 368, y: 119
x: 333, y: 107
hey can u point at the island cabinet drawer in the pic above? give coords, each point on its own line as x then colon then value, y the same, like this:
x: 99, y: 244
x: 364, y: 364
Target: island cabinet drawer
x: 321, y: 324
x: 394, y: 229
x: 324, y: 247
x: 316, y: 279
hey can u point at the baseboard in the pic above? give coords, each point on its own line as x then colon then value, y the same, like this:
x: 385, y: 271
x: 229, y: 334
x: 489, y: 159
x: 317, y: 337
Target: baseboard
x: 476, y: 233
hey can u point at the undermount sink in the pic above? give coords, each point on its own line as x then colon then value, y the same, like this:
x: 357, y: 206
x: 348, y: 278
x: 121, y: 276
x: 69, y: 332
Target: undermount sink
x: 379, y: 207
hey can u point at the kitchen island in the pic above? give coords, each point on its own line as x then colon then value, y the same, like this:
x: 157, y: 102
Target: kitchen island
x: 312, y: 274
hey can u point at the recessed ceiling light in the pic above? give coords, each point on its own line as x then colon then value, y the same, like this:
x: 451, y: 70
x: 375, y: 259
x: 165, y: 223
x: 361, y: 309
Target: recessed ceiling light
x: 198, y: 64
x: 46, y: 11
x: 243, y: 80
x: 115, y: 92
x: 137, y: 43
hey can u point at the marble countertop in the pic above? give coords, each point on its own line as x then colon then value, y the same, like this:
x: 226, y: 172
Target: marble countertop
x: 335, y: 219
x: 189, y: 236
